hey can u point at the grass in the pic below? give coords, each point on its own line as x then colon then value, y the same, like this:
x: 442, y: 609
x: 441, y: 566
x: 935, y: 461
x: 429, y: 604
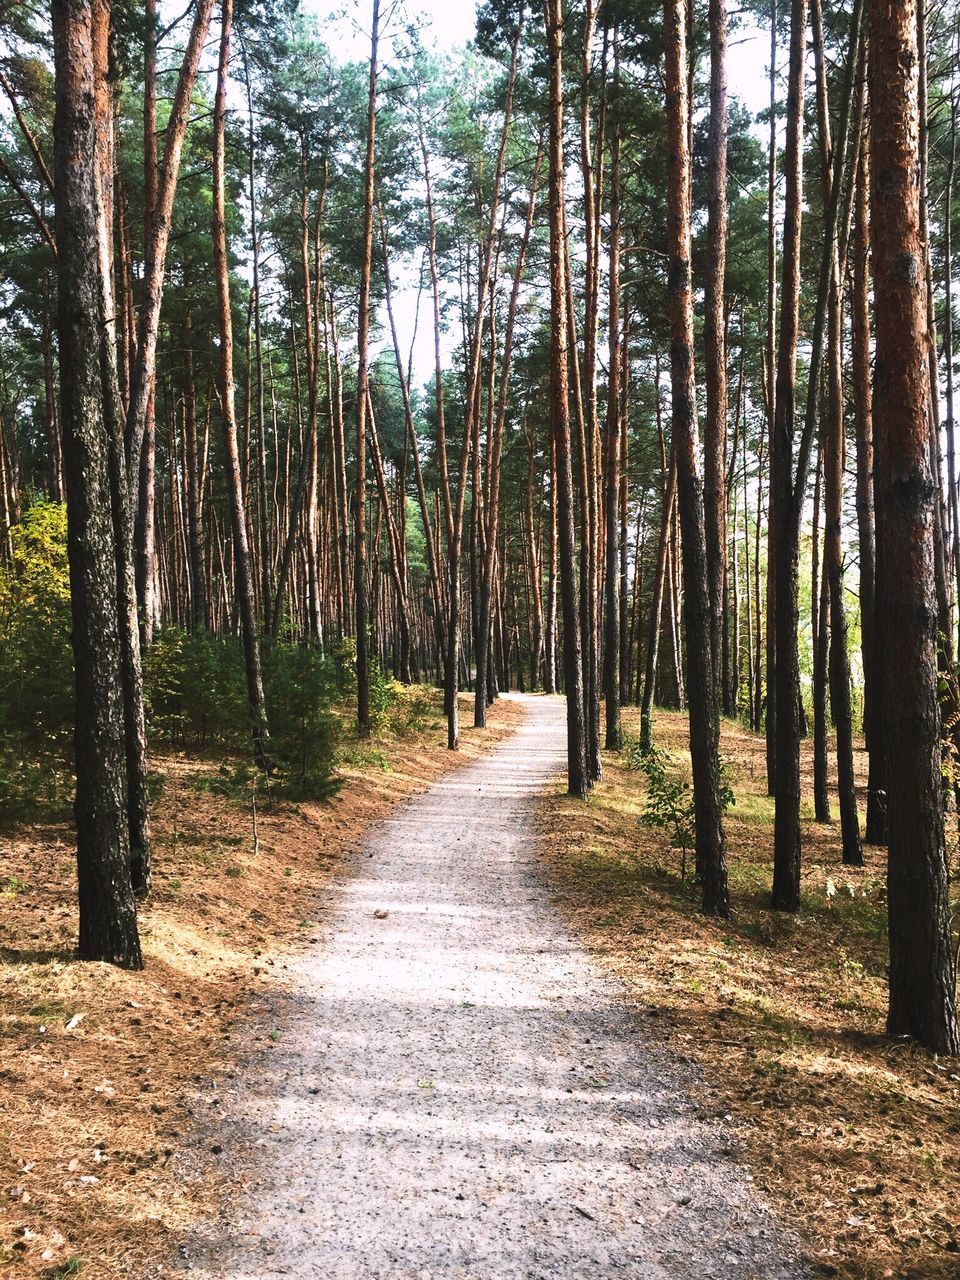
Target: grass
x: 855, y: 1137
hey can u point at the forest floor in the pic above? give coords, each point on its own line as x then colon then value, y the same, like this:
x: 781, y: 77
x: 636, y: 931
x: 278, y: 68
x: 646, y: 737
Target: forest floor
x: 856, y: 1138
x: 468, y: 1060
x: 101, y: 1071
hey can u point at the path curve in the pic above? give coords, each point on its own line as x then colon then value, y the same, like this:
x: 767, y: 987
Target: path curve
x: 462, y: 1095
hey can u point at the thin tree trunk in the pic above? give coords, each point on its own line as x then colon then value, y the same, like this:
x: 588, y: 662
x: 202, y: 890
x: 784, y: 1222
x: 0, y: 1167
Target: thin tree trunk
x: 702, y: 689
x: 577, y: 783
x: 363, y: 382
x: 714, y: 337
x: 241, y: 550
x: 873, y: 658
x: 611, y: 480
x: 786, y: 870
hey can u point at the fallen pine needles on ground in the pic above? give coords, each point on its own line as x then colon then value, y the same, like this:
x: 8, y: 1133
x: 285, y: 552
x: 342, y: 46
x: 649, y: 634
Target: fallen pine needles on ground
x: 855, y: 1137
x: 98, y: 1066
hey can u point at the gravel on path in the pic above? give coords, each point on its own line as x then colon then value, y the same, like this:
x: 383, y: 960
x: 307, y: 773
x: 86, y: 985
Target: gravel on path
x: 461, y: 1094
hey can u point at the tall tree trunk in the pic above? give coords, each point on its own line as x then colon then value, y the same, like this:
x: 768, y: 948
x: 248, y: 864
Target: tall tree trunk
x: 143, y: 375
x: 145, y: 499
x: 833, y: 449
x: 241, y: 551
x: 873, y: 658
x: 786, y: 868
x: 108, y: 925
x: 611, y: 485
x: 363, y: 382
x: 715, y: 430
x: 770, y: 722
x: 820, y: 628
x: 922, y: 994
x: 577, y: 783
x: 131, y: 672
x: 701, y: 686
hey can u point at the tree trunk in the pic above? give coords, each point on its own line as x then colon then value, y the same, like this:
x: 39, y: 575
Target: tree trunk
x: 866, y: 527
x: 820, y: 628
x: 363, y: 382
x: 143, y: 375
x: 108, y: 925
x: 577, y: 783
x: 611, y: 480
x: 714, y: 336
x: 786, y: 868
x: 241, y: 550
x: 922, y: 995
x: 702, y: 689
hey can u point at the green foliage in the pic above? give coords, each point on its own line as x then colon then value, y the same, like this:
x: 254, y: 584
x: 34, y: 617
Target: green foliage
x: 195, y: 691
x: 196, y: 695
x: 384, y: 690
x: 670, y: 805
x: 36, y: 685
x: 669, y: 802
x: 36, y: 665
x: 301, y: 688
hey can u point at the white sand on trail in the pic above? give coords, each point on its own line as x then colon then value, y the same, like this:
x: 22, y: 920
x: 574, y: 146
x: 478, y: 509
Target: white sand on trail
x: 460, y: 1093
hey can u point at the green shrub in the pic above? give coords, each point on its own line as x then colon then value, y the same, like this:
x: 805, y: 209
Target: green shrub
x: 301, y: 688
x: 384, y: 690
x: 670, y: 804
x: 195, y: 691
x: 36, y: 667
x: 197, y: 699
x: 36, y: 663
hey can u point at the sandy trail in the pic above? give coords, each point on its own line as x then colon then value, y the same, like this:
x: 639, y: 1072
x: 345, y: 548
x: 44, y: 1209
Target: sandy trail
x: 462, y: 1094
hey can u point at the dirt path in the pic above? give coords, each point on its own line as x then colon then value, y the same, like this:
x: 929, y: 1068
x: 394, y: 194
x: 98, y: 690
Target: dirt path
x: 461, y: 1094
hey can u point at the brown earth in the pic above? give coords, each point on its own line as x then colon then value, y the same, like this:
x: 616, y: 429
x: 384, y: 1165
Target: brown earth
x: 856, y: 1138
x: 97, y: 1065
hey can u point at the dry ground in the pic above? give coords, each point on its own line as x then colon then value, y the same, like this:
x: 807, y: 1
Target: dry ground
x: 96, y: 1083
x: 856, y: 1137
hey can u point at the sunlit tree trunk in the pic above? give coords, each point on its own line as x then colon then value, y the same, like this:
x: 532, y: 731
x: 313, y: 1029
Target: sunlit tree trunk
x: 243, y: 570
x: 922, y: 995
x: 701, y: 686
x: 108, y: 926
x: 577, y: 783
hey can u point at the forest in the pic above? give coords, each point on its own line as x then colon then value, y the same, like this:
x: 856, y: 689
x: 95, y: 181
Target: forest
x: 380, y: 410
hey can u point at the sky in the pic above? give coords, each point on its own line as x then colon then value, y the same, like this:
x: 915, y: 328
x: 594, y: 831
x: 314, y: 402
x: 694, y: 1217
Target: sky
x: 450, y: 24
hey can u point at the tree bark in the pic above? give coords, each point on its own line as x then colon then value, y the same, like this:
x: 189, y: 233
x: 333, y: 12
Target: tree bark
x: 714, y: 336
x: 786, y: 869
x: 363, y: 382
x: 702, y: 689
x: 611, y: 481
x: 577, y: 783
x: 241, y: 550
x: 922, y: 994
x: 108, y: 925
x: 866, y: 526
